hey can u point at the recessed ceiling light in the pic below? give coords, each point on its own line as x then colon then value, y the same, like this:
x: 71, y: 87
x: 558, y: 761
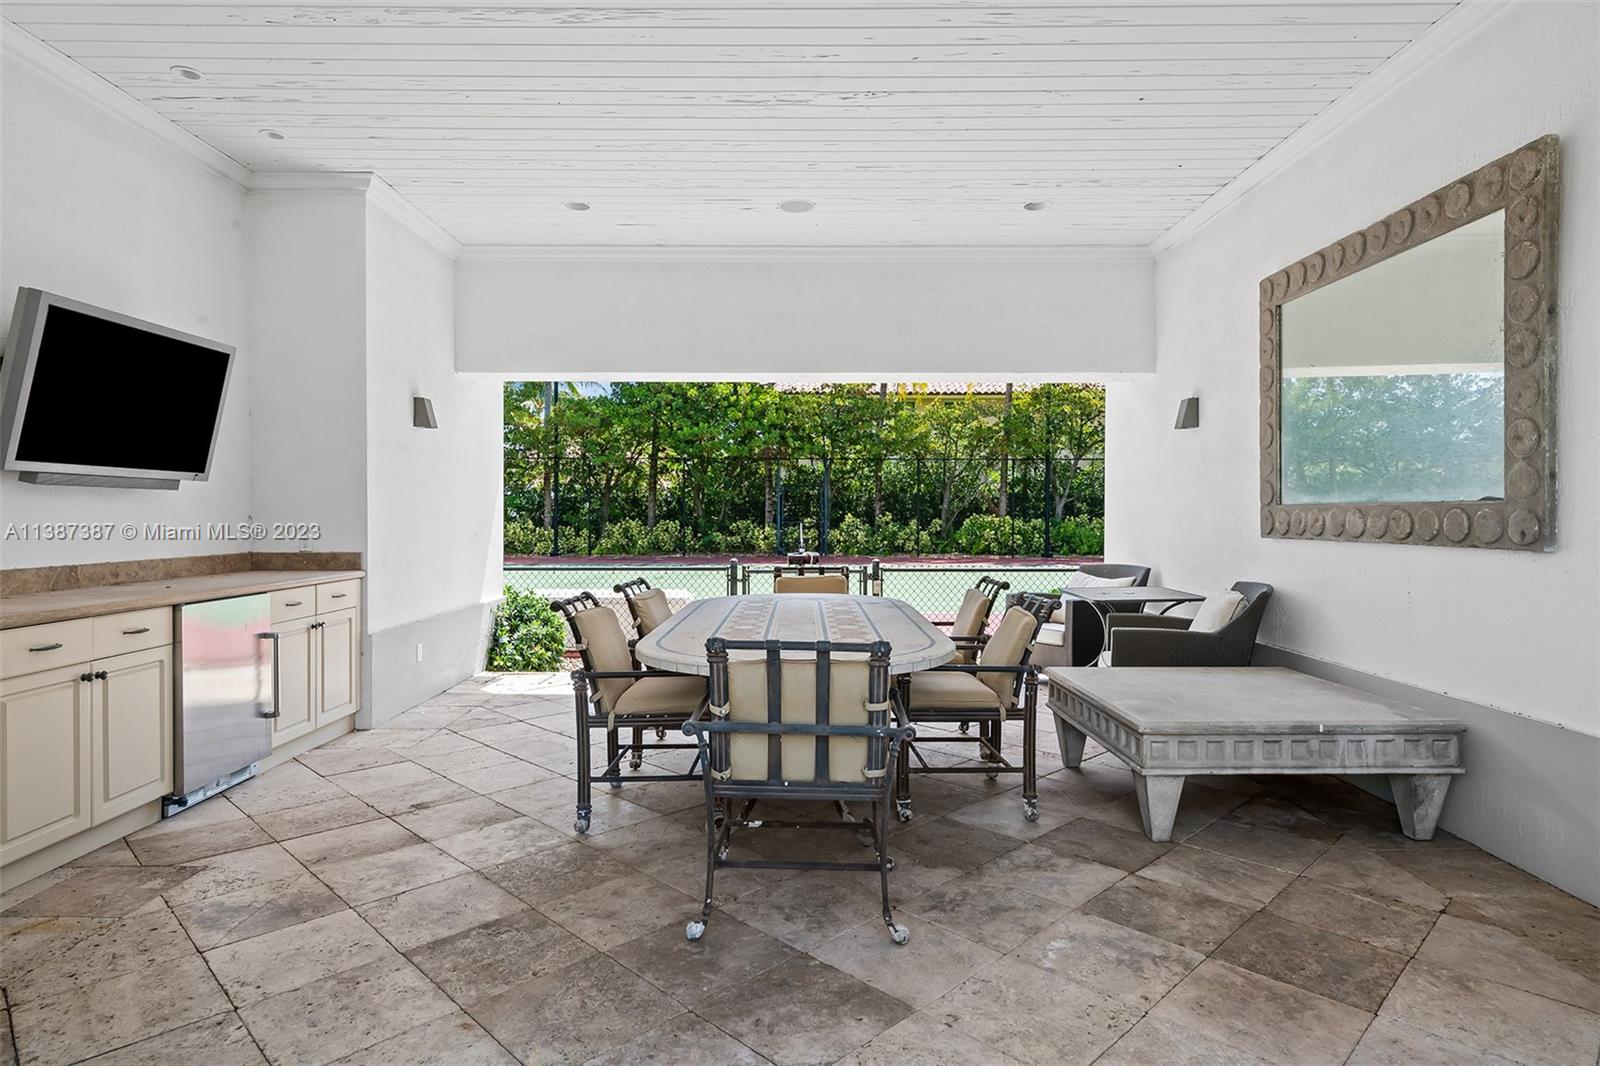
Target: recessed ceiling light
x: 272, y: 135
x: 1036, y: 205
x: 186, y: 72
x: 575, y: 205
x: 796, y: 207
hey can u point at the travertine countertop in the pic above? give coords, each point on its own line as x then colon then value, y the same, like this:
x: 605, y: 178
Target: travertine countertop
x: 39, y: 607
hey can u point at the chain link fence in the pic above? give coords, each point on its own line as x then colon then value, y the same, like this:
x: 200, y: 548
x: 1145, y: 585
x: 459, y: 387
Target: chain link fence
x: 934, y: 589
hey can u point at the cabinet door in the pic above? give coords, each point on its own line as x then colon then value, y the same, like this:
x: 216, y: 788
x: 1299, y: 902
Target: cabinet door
x: 44, y: 759
x: 131, y: 731
x: 340, y: 640
x: 297, y: 680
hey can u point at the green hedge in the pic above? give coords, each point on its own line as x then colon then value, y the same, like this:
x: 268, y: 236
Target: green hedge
x: 852, y: 535
x: 528, y: 633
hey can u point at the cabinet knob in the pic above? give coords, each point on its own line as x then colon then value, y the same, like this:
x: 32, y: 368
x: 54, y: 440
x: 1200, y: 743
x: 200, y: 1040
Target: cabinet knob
x: 86, y: 676
x: 100, y: 675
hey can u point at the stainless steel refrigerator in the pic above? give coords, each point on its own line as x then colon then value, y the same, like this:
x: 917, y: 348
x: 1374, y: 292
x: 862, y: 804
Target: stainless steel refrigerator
x: 227, y: 695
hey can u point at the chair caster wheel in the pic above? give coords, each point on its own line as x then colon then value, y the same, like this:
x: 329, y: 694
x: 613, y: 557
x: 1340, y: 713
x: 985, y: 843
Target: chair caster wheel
x: 722, y: 854
x: 582, y: 823
x: 635, y: 762
x: 991, y: 775
x: 903, y: 812
x: 661, y: 733
x: 694, y: 930
x: 899, y: 933
x: 888, y: 864
x: 966, y: 727
x: 1030, y: 810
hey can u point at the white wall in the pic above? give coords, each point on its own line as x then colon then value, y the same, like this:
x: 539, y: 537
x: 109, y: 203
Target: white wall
x: 98, y: 209
x: 433, y: 497
x: 923, y: 313
x: 1514, y: 631
x: 307, y: 273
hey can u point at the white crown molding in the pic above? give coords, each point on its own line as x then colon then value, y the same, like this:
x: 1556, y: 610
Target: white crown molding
x: 20, y: 46
x: 364, y: 183
x: 1461, y: 24
x: 778, y: 254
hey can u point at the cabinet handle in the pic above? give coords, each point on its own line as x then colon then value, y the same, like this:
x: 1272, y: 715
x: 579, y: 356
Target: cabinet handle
x: 47, y: 647
x: 135, y: 632
x: 277, y: 680
x: 338, y: 595
x: 293, y: 603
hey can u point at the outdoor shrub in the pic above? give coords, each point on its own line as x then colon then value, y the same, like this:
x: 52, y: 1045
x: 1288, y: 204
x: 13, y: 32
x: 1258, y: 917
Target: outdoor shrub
x: 1081, y: 536
x: 528, y: 633
x: 712, y: 543
x: 666, y: 538
x: 623, y: 536
x: 750, y: 538
x: 852, y: 536
x: 524, y: 537
x: 574, y: 541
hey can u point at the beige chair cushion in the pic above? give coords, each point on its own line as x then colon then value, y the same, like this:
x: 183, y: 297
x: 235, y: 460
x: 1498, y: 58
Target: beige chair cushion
x: 951, y: 689
x: 1006, y: 648
x: 608, y: 650
x: 668, y: 694
x: 847, y: 705
x: 651, y: 609
x: 1217, y: 611
x: 812, y: 583
x: 973, y: 614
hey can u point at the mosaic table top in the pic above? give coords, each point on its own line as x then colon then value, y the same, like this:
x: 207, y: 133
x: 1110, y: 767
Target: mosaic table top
x: 680, y: 644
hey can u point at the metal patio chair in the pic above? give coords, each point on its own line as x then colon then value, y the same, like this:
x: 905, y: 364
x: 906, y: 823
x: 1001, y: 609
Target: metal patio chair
x: 648, y: 606
x: 612, y: 693
x: 969, y: 628
x: 1001, y: 686
x: 818, y: 728
x: 812, y: 579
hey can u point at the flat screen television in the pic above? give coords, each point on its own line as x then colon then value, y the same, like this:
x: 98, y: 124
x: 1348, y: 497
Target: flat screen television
x: 94, y: 396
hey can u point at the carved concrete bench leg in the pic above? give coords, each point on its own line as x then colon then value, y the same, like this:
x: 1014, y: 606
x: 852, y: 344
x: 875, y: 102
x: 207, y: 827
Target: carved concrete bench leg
x: 1419, y: 798
x: 1158, y: 804
x: 1070, y: 741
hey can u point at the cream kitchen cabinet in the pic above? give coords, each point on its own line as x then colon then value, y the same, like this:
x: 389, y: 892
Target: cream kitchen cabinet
x: 319, y: 665
x: 130, y: 734
x: 45, y: 722
x: 298, y: 681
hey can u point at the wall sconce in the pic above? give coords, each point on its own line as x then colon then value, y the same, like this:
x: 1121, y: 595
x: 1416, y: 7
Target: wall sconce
x: 422, y: 413
x: 1188, y: 413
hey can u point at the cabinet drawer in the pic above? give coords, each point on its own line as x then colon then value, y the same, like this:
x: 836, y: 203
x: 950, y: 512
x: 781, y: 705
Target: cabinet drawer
x: 132, y: 631
x: 294, y: 603
x: 338, y: 595
x: 30, y: 649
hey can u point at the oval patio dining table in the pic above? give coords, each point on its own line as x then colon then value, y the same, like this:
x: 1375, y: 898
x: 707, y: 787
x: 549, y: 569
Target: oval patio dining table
x: 679, y: 644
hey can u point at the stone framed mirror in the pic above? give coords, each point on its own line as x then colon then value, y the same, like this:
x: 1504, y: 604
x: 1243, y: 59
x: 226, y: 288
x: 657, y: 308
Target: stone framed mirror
x: 1407, y: 370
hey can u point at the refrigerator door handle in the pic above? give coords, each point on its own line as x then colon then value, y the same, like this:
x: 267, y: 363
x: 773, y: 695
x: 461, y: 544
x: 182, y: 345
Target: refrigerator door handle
x: 277, y: 679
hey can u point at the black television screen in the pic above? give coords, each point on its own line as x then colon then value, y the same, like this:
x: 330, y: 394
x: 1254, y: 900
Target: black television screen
x: 92, y: 391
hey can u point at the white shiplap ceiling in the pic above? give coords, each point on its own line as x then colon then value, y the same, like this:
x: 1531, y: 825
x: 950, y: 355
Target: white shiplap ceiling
x: 907, y: 122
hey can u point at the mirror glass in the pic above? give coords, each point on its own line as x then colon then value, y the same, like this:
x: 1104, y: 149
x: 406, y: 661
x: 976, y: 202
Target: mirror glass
x: 1393, y: 377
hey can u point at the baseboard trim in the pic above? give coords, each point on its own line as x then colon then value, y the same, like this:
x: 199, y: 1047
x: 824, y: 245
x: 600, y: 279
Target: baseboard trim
x: 453, y: 644
x: 1530, y: 794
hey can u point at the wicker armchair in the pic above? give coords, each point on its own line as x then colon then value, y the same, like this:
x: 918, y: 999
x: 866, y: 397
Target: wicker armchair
x: 1075, y: 634
x: 611, y: 693
x: 1161, y: 640
x: 823, y: 727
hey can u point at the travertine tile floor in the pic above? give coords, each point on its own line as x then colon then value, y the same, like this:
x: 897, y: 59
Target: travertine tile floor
x: 417, y: 895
